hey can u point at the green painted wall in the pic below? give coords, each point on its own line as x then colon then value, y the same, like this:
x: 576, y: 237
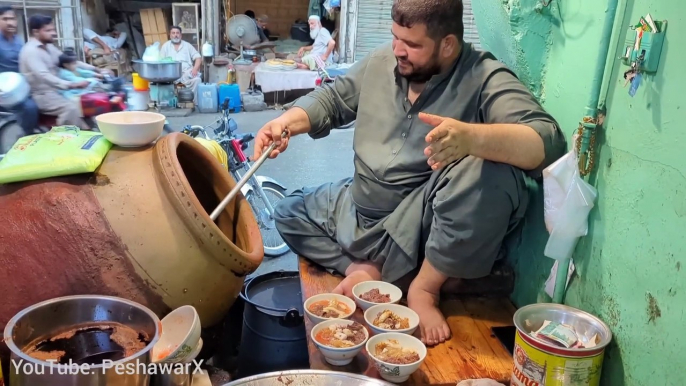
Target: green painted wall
x: 631, y: 269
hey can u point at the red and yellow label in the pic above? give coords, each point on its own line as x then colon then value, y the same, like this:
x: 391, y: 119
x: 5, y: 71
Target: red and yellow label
x: 535, y: 367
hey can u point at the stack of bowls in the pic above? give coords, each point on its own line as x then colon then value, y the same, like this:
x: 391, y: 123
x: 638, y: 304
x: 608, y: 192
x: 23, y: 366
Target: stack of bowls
x: 179, y: 344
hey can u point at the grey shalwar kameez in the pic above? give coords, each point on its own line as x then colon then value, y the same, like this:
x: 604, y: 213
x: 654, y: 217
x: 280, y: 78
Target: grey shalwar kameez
x: 395, y: 210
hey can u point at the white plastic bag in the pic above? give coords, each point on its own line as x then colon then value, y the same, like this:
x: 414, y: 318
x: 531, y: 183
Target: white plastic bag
x: 152, y: 53
x: 568, y: 201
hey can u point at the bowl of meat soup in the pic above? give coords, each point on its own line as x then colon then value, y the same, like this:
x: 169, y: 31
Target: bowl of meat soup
x: 396, y: 355
x: 339, y: 340
x: 370, y: 293
x: 383, y: 318
x: 329, y: 306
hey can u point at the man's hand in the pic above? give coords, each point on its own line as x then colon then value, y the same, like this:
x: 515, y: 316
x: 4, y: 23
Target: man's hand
x: 194, y: 72
x: 301, y: 52
x: 271, y: 132
x: 449, y: 141
x: 81, y: 84
x: 324, y: 57
x: 107, y: 51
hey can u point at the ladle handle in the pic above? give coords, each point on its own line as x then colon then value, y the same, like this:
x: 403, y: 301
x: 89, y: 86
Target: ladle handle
x: 244, y: 180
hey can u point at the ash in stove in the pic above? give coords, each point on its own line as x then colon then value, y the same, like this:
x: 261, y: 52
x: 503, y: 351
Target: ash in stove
x: 89, y: 344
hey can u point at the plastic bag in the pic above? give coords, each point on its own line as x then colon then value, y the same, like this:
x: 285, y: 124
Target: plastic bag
x: 216, y: 150
x: 568, y: 200
x: 62, y: 151
x: 152, y: 53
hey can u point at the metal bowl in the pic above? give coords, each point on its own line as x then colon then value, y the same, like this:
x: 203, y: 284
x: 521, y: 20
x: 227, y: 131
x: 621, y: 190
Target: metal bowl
x: 158, y: 72
x: 530, y: 318
x: 309, y: 378
x: 58, y: 315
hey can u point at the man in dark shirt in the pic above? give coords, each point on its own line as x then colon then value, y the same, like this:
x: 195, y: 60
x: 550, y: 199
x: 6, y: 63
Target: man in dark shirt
x: 444, y: 134
x: 10, y: 45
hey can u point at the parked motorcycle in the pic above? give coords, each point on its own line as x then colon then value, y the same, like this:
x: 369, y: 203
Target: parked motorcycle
x: 263, y: 193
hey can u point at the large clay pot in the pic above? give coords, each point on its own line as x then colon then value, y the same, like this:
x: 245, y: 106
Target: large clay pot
x: 138, y: 229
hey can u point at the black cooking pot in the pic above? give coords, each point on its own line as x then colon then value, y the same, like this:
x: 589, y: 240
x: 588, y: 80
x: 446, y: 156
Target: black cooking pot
x: 273, y: 337
x: 300, y: 30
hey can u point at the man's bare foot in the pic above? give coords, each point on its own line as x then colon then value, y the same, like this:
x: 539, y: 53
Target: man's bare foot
x: 346, y: 286
x: 433, y: 327
x: 423, y: 297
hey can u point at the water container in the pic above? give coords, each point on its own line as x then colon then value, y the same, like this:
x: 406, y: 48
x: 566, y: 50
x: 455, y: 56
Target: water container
x: 207, y: 98
x: 233, y: 92
x: 138, y: 100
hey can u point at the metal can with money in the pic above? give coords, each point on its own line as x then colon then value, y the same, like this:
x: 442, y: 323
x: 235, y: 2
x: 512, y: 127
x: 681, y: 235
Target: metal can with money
x: 558, y: 345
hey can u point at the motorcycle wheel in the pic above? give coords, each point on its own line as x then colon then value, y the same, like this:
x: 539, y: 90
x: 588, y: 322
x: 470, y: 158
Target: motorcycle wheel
x: 9, y: 135
x: 274, y: 245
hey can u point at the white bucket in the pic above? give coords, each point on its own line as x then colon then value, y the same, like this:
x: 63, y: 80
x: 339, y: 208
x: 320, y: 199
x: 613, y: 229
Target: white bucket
x: 138, y: 100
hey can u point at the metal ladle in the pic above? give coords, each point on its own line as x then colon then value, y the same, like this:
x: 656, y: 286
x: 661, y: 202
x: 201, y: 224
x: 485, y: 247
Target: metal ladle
x: 222, y: 205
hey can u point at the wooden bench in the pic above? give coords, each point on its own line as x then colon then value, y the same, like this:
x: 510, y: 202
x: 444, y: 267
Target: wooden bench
x: 472, y: 352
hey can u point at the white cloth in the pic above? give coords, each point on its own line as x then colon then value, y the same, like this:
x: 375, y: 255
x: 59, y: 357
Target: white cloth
x: 278, y: 80
x: 113, y: 43
x: 321, y: 43
x: 186, y: 54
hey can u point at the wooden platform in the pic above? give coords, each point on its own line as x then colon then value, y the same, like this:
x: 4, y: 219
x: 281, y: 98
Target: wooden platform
x: 471, y: 353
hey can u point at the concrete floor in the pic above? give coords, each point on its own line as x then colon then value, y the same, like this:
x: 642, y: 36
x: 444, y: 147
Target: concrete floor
x: 306, y: 162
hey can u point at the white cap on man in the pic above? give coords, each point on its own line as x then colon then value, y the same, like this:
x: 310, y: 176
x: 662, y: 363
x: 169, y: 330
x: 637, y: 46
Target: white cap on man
x: 315, y: 17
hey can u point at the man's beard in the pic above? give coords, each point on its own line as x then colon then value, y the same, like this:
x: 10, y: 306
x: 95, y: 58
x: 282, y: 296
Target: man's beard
x: 47, y: 40
x: 425, y: 73
x: 314, y: 33
x: 176, y: 40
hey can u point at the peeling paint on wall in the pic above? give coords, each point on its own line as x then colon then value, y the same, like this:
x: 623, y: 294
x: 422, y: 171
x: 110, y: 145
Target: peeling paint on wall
x: 522, y: 39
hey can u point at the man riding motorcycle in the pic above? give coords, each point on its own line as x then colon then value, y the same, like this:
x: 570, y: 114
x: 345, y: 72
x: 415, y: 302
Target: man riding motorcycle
x: 38, y: 62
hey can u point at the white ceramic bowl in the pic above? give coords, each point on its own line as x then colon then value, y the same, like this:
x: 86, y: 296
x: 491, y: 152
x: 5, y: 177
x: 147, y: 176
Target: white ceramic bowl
x: 180, y: 336
x: 384, y: 288
x: 337, y: 356
x: 402, y: 311
x: 393, y: 372
x: 317, y: 298
x: 131, y: 128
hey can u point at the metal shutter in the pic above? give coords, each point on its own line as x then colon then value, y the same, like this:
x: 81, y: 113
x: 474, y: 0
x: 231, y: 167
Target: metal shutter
x: 471, y: 35
x: 374, y: 25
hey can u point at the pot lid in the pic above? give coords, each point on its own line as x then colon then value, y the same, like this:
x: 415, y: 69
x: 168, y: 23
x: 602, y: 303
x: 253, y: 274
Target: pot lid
x: 277, y: 291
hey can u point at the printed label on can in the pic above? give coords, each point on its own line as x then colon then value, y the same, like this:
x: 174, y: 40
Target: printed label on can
x: 533, y: 367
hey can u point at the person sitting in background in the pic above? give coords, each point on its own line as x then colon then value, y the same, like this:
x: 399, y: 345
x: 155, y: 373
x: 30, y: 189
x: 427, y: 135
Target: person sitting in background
x: 70, y: 72
x: 322, y: 47
x: 262, y: 22
x: 250, y: 13
x: 111, y: 41
x: 106, y: 50
x: 184, y: 52
x: 10, y: 46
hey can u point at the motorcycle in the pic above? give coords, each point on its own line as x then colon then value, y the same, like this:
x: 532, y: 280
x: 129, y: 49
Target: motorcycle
x: 10, y: 132
x: 263, y: 193
x: 111, y: 99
